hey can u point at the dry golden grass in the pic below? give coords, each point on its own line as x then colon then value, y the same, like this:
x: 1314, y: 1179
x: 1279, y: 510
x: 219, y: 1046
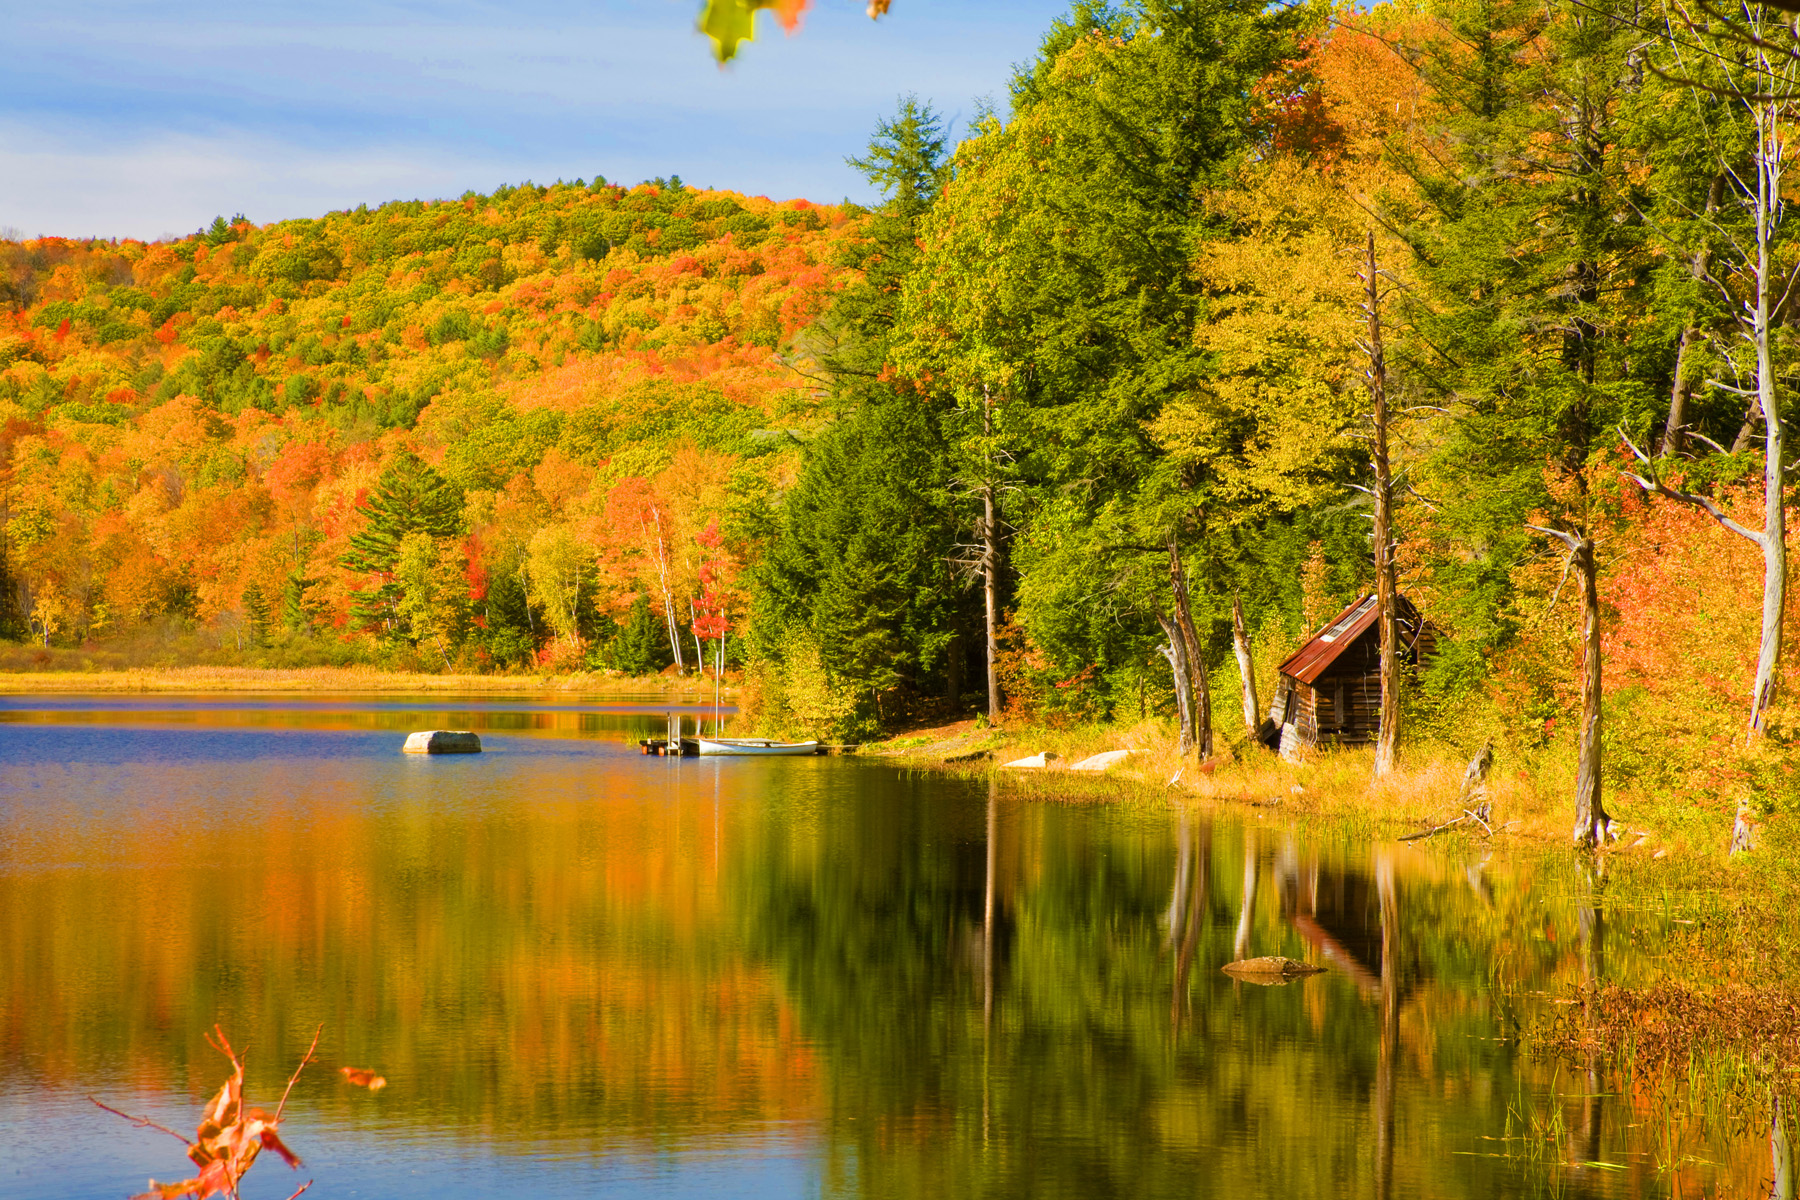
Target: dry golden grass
x: 1530, y: 803
x: 335, y: 679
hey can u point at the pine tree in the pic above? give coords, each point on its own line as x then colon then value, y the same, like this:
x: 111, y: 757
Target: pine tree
x: 640, y: 647
x: 258, y: 615
x: 297, y: 614
x: 859, y: 560
x: 1057, y: 303
x: 410, y: 497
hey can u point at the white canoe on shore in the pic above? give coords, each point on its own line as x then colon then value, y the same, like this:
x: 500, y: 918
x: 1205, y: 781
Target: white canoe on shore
x: 712, y: 746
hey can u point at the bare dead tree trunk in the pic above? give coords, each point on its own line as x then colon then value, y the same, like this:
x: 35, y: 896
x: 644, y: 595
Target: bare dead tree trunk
x: 1200, y: 714
x: 1176, y: 652
x: 1388, y: 732
x: 990, y: 570
x: 1771, y: 146
x: 1781, y: 1156
x: 1593, y: 827
x: 1240, y: 645
x: 1778, y: 79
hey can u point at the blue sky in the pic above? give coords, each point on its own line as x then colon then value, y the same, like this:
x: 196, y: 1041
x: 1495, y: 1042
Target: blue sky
x: 143, y: 119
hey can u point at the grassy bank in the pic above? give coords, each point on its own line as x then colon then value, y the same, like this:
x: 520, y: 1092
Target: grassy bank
x: 1529, y: 794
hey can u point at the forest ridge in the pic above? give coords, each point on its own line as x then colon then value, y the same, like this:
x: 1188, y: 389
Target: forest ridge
x: 1108, y: 345
x: 194, y: 429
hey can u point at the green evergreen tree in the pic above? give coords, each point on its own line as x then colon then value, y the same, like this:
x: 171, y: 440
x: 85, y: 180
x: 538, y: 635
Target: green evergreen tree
x: 297, y: 613
x: 861, y: 560
x: 509, y: 632
x: 641, y: 645
x: 1056, y: 302
x: 409, y: 498
x: 1540, y: 320
x: 860, y: 553
x: 258, y: 615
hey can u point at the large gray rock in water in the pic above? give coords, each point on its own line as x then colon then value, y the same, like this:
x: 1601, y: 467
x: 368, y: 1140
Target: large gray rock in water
x: 443, y: 741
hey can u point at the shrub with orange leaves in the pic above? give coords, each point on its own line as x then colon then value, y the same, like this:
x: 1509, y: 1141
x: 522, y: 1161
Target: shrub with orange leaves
x: 230, y: 1137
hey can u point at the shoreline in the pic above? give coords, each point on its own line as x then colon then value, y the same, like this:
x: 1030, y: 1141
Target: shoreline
x: 250, y: 680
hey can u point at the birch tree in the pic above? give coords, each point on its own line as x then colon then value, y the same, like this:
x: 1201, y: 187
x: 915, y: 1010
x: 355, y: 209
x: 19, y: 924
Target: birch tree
x: 1757, y: 67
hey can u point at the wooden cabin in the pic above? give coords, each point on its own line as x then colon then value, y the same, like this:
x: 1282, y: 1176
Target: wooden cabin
x: 1329, y: 690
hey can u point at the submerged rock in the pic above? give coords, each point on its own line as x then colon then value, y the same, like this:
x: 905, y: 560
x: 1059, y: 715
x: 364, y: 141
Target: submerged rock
x: 1270, y: 970
x: 442, y: 741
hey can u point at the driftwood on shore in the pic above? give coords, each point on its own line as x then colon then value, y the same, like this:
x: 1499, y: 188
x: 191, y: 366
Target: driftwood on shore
x: 1473, y: 800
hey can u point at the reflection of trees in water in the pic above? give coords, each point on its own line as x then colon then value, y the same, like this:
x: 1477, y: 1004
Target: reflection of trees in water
x: 1092, y: 1047
x: 974, y: 995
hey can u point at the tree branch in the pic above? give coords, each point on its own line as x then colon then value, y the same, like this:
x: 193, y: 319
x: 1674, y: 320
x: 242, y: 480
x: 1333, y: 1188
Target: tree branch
x: 1567, y: 539
x: 1657, y: 487
x: 140, y: 1122
x: 296, y: 1075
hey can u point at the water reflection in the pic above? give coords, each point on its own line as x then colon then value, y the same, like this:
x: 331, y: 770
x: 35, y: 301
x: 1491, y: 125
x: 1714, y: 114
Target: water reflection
x: 836, y: 977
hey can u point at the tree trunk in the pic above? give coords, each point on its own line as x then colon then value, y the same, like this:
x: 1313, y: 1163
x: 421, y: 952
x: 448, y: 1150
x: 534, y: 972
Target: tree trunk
x: 668, y: 595
x: 1388, y: 731
x: 990, y: 570
x: 1674, y: 428
x: 1592, y: 825
x: 990, y: 554
x: 1774, y: 530
x: 1240, y: 645
x: 1176, y: 652
x: 1756, y: 323
x: 693, y: 632
x: 1201, y: 713
x: 1678, y: 395
x: 1781, y: 1156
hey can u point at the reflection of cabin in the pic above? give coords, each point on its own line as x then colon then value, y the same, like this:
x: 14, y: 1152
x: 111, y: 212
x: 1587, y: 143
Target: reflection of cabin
x: 1338, y: 913
x: 1329, y: 690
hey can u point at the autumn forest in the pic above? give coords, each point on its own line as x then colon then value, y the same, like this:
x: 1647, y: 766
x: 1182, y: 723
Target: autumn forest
x: 1100, y: 347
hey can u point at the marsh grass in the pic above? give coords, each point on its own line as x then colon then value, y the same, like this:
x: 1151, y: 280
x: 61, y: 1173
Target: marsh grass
x: 74, y: 673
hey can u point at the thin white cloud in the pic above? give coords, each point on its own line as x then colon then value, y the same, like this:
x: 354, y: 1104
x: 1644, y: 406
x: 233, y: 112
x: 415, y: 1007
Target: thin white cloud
x: 173, y: 184
x: 139, y: 119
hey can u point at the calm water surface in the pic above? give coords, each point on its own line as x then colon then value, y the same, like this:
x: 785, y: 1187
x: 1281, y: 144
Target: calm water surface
x: 585, y: 972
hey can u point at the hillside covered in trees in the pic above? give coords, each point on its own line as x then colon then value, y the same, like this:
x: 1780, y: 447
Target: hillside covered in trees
x: 571, y: 399
x: 1089, y: 382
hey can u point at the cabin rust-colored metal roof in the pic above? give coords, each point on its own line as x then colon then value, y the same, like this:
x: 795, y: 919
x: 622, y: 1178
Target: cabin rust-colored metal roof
x: 1340, y: 633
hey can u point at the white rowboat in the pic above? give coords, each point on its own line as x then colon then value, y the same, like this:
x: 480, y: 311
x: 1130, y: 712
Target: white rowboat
x: 710, y: 746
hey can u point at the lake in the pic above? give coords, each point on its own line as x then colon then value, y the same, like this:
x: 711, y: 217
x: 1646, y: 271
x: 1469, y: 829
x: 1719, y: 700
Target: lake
x: 587, y: 972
